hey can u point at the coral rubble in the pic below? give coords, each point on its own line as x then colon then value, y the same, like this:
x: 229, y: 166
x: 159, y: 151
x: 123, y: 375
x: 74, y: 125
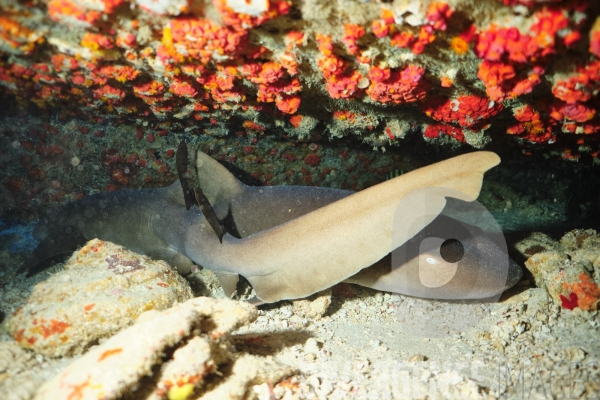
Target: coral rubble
x: 102, y: 289
x: 568, y: 269
x: 197, y: 330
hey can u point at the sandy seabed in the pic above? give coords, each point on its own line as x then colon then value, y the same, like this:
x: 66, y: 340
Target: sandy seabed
x: 357, y: 343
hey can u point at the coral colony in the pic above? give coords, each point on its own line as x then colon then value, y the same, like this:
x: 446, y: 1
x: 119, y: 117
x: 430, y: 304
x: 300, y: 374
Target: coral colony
x: 536, y: 60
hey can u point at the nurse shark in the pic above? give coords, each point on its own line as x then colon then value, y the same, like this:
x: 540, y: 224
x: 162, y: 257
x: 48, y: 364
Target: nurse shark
x: 292, y: 241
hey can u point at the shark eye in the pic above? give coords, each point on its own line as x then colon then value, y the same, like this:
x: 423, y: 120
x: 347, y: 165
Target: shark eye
x: 452, y: 250
x: 431, y: 260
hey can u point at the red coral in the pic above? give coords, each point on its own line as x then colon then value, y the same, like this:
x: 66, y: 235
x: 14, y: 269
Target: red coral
x: 274, y: 84
x: 121, y: 73
x: 465, y: 110
x: 151, y: 88
x: 126, y: 40
x: 253, y: 126
x: 588, y: 292
x: 221, y: 84
x: 460, y: 44
x: 498, y: 42
x: 398, y: 87
x: 296, y: 120
x: 294, y: 39
x: 202, y: 40
x: 432, y: 131
x: 530, y: 126
x: 182, y: 88
x: 402, y: 39
x: 576, y: 112
x: 343, y: 86
x: 387, y: 16
x: 380, y: 29
x: 585, y: 294
x: 425, y: 37
x: 62, y: 62
x: 580, y: 86
x: 569, y: 303
x: 271, y: 72
x: 289, y: 62
x: 312, y: 160
x: 344, y: 115
x: 437, y: 16
x: 501, y: 80
x: 325, y: 44
x: 16, y: 36
x: 109, y: 92
x: 507, y: 53
x: 341, y: 83
x: 548, y: 23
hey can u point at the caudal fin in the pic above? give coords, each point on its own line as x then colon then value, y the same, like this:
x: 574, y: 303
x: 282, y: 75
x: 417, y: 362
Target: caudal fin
x: 56, y: 246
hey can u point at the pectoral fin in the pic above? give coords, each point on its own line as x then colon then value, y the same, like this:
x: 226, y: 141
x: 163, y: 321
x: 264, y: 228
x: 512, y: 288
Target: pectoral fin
x: 228, y: 282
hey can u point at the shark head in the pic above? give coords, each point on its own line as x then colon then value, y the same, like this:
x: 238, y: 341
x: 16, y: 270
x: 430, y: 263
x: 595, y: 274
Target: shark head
x: 456, y: 253
x: 452, y: 260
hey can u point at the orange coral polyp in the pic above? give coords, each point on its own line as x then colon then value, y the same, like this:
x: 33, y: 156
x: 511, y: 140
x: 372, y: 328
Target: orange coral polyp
x: 402, y: 39
x: 380, y: 29
x: 438, y: 15
x: 240, y: 21
x: 400, y: 87
x: 202, y: 39
x: 63, y: 10
x: 109, y: 92
x: 325, y: 44
x: 526, y: 113
x: 352, y: 33
x: 96, y: 41
x: 182, y: 89
x: 271, y: 72
x: 288, y: 104
x: 594, y: 36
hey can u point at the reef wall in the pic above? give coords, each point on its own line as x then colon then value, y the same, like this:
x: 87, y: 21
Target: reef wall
x: 95, y: 94
x: 376, y: 69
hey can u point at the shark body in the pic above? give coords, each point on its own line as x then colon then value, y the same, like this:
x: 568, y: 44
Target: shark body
x: 292, y: 241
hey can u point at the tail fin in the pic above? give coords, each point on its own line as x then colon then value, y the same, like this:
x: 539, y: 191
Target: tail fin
x: 56, y: 245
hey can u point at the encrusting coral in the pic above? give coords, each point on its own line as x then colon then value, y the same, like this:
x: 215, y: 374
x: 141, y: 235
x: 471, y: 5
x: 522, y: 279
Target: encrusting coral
x: 225, y: 58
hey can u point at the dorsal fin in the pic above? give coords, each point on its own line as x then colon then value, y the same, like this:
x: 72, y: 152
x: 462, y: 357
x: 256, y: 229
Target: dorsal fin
x: 217, y: 183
